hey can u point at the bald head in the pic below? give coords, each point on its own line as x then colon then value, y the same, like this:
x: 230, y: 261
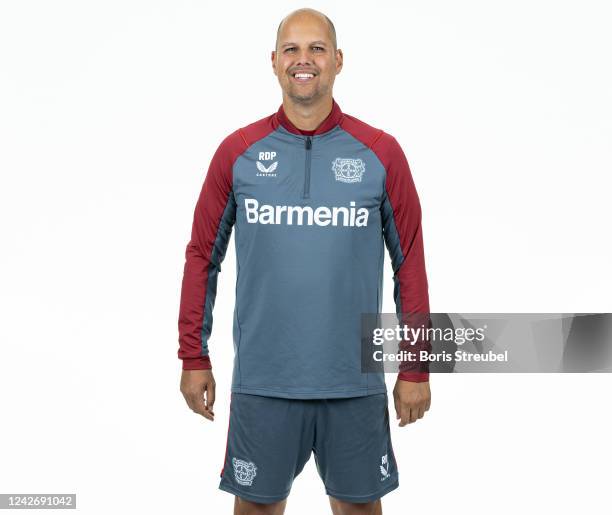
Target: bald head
x: 312, y: 13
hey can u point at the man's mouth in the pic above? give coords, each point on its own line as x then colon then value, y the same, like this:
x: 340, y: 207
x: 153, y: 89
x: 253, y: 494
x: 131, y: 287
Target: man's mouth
x: 303, y: 76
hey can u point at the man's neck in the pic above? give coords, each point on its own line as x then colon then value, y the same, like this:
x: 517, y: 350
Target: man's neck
x: 307, y: 117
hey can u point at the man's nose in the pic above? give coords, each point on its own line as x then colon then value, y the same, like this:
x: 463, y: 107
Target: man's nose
x: 304, y: 57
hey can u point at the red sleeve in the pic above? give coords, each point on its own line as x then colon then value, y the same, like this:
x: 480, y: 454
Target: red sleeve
x: 401, y: 213
x: 213, y: 220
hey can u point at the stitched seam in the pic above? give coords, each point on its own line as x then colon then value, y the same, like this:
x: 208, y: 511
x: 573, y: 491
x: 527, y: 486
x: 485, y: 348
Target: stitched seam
x: 334, y: 492
x: 243, y: 138
x: 376, y: 139
x: 234, y: 489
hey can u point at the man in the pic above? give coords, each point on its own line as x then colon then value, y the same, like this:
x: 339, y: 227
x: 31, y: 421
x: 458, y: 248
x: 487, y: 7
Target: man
x: 313, y: 193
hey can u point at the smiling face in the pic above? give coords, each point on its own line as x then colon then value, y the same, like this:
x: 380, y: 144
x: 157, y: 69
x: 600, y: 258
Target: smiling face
x: 305, y: 60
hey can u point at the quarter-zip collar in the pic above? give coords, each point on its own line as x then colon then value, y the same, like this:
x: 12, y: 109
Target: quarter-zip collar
x: 333, y: 119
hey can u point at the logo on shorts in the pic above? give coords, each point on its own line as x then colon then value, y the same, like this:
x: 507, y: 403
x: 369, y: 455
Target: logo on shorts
x: 384, y: 468
x: 244, y: 471
x: 348, y: 170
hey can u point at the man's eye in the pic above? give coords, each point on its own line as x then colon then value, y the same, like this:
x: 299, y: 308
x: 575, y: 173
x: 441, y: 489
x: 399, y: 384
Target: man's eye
x: 314, y: 48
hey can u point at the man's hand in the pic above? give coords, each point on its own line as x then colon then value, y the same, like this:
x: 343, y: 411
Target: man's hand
x: 412, y: 400
x: 193, y: 385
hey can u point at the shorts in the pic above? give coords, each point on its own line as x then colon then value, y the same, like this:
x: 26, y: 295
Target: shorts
x: 270, y: 439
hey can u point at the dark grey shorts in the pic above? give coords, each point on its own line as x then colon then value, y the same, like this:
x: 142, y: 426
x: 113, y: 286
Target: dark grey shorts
x: 270, y: 440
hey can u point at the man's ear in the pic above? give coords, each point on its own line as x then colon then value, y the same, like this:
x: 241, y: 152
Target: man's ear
x: 273, y: 57
x: 339, y: 60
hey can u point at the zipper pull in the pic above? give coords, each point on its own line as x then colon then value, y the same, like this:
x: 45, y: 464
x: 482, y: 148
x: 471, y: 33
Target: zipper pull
x: 308, y: 143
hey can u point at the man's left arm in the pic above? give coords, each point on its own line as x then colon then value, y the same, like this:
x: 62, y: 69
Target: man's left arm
x: 402, y: 230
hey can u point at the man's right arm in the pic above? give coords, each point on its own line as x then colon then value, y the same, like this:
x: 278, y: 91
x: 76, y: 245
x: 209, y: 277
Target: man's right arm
x: 213, y: 219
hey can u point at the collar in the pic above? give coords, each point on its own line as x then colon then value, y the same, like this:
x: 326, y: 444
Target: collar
x: 333, y: 119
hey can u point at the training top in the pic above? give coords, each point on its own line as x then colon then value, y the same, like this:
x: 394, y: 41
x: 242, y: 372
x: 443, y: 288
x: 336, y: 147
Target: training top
x: 312, y: 211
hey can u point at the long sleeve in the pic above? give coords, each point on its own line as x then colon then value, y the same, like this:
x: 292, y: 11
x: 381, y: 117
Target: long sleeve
x: 213, y: 219
x: 401, y: 218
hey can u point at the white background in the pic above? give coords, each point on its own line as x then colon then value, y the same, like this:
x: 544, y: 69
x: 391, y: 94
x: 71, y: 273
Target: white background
x: 109, y: 115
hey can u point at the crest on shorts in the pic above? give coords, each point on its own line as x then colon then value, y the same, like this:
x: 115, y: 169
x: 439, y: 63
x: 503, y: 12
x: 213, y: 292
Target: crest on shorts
x: 384, y: 467
x: 244, y: 471
x: 348, y: 170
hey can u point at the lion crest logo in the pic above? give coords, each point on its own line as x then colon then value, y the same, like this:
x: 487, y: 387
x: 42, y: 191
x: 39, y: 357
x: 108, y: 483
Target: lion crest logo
x: 244, y: 471
x: 348, y: 170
